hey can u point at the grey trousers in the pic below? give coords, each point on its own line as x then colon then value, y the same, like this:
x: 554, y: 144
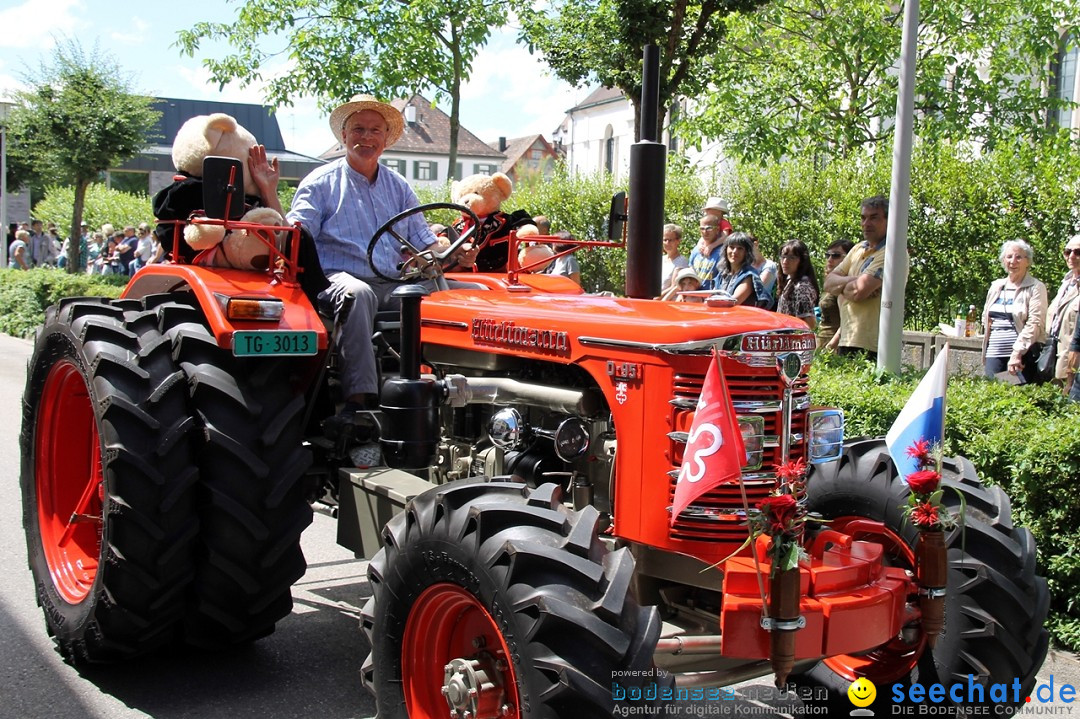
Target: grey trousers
x: 358, y: 372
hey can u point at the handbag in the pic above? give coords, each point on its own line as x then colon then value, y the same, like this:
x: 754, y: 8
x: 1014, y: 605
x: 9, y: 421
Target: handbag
x: 1046, y: 364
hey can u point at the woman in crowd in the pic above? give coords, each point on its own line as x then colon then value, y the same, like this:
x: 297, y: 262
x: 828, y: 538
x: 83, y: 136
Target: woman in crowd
x: 1061, y: 317
x: 1014, y: 315
x: 672, y: 260
x: 737, y: 275
x: 797, y: 292
x: 829, y: 326
x: 18, y: 251
x: 765, y: 268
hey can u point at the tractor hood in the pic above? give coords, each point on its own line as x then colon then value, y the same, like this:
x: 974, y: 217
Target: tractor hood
x: 565, y: 324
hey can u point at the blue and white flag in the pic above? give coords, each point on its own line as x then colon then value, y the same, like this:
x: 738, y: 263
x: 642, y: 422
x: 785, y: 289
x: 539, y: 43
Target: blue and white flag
x: 923, y: 417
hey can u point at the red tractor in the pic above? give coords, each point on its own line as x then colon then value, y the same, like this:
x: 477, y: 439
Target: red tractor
x: 523, y: 558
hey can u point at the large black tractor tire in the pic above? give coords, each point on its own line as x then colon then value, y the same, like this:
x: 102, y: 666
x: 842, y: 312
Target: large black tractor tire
x: 252, y: 500
x: 996, y: 603
x: 108, y: 480
x: 501, y: 580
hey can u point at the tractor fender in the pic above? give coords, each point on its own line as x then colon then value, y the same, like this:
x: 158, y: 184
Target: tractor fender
x: 212, y: 287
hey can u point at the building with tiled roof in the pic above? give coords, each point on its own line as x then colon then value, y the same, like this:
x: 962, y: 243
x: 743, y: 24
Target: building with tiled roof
x: 152, y: 169
x: 529, y: 156
x: 422, y: 154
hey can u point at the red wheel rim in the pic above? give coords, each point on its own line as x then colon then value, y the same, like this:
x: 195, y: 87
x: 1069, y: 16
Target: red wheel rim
x: 895, y: 659
x: 446, y: 623
x: 68, y: 481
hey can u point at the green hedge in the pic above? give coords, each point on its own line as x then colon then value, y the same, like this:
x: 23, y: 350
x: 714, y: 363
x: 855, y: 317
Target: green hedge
x: 102, y: 205
x: 1026, y: 439
x: 24, y: 295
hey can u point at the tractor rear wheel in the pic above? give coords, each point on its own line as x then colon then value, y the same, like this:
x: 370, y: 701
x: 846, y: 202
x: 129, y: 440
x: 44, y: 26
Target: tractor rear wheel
x: 996, y: 603
x: 252, y: 465
x: 108, y: 482
x: 494, y: 598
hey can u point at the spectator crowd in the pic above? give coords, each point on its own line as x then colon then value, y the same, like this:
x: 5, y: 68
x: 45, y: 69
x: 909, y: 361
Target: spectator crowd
x: 107, y: 251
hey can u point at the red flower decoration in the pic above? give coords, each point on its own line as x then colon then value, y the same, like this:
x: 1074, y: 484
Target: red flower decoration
x: 919, y: 451
x: 925, y: 481
x: 780, y: 510
x: 791, y: 471
x: 925, y: 515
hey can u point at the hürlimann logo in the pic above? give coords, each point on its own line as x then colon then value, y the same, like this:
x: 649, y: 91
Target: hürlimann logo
x: 509, y: 333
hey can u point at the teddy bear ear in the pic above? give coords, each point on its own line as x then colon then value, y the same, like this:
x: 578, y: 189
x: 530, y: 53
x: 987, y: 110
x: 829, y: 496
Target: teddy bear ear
x: 504, y: 184
x: 455, y: 188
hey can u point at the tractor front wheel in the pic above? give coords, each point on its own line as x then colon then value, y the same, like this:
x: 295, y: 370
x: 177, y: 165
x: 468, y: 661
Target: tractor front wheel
x: 495, y: 599
x: 996, y: 603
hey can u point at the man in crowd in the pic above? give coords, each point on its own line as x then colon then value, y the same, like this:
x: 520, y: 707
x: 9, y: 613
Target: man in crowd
x: 40, y: 246
x: 342, y: 204
x: 856, y: 282
x: 709, y: 250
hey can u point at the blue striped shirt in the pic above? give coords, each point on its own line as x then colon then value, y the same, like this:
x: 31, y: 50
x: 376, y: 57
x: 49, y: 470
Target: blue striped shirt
x: 342, y: 210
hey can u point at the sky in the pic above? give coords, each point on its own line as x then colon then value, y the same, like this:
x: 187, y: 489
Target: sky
x: 138, y: 36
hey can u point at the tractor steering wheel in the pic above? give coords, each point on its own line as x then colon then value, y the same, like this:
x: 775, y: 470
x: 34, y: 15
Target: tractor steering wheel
x: 421, y: 263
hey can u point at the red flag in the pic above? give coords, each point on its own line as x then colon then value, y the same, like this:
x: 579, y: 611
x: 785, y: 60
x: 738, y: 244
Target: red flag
x: 714, y: 452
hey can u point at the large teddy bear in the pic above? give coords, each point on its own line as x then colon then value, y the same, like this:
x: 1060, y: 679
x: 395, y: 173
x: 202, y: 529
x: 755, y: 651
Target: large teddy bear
x: 484, y: 195
x: 200, y: 137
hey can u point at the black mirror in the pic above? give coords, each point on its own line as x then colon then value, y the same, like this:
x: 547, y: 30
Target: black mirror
x: 617, y: 217
x: 223, y: 188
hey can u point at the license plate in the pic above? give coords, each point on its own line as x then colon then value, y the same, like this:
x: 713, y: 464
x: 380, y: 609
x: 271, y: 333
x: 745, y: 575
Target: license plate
x: 263, y: 343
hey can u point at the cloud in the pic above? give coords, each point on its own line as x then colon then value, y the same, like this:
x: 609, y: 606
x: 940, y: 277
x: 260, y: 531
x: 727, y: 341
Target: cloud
x: 133, y: 33
x: 38, y: 22
x: 512, y: 93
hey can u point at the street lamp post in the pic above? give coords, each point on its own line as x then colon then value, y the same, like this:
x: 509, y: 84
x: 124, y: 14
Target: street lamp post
x: 4, y: 107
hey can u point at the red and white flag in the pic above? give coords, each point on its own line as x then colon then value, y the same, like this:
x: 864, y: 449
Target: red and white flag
x: 715, y: 453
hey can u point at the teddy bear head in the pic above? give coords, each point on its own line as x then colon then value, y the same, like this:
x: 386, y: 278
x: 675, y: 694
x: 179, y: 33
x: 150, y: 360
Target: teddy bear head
x: 483, y: 194
x: 217, y: 134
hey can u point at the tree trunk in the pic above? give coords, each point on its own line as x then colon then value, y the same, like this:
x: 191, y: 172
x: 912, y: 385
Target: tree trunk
x: 455, y: 101
x: 74, y: 260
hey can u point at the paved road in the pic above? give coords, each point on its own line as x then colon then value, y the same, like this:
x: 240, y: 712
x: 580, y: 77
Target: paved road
x: 308, y: 668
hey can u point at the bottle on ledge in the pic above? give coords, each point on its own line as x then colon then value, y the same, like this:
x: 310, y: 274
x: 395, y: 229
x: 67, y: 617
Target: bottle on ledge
x: 972, y: 320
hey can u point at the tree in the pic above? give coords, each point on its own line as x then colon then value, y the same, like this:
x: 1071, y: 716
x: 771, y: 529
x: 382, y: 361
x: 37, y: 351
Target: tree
x: 821, y: 75
x: 602, y: 41
x: 78, y: 119
x: 333, y: 49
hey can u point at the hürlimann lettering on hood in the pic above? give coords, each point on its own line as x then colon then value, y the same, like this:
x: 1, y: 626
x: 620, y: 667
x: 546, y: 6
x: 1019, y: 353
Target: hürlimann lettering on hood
x: 513, y: 335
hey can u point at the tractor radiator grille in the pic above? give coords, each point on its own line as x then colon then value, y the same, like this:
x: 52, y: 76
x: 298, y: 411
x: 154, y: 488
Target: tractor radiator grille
x: 718, y: 515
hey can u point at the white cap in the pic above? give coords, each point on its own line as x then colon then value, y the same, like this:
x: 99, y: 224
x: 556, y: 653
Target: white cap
x: 684, y: 273
x: 716, y: 203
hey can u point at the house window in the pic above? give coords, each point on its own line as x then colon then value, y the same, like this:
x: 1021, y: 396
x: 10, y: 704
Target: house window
x: 397, y: 166
x: 425, y: 170
x: 457, y: 171
x: 486, y: 169
x: 537, y: 154
x: 1065, y: 80
x: 609, y: 150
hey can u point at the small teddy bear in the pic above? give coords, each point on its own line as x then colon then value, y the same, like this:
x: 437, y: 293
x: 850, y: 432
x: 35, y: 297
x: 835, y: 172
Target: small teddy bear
x: 484, y: 195
x: 200, y: 137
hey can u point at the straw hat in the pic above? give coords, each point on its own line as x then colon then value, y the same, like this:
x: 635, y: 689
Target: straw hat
x: 394, y: 121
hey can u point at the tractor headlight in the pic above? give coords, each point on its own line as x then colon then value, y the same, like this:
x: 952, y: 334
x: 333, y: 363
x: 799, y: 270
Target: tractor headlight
x: 825, y: 436
x: 753, y: 437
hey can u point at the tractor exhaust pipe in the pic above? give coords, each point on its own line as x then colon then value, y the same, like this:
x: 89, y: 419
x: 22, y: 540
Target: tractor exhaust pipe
x: 648, y: 164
